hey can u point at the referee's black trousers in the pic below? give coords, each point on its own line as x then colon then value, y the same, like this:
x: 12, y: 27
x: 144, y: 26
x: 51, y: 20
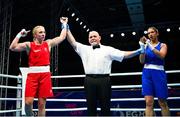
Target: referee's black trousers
x: 98, y: 88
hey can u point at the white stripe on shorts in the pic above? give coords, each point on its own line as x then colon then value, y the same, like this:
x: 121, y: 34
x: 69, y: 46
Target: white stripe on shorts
x: 151, y: 66
x: 39, y: 69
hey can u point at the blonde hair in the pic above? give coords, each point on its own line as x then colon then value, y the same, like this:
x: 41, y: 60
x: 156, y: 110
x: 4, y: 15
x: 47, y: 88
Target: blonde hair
x: 35, y: 28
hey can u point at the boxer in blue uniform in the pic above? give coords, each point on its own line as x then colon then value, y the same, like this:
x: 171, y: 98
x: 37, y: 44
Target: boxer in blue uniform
x: 154, y: 80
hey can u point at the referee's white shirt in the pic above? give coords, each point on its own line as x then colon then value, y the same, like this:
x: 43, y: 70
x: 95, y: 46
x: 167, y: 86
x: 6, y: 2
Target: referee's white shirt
x: 99, y: 60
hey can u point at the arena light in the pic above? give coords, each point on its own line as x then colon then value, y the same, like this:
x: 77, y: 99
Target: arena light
x: 68, y: 9
x: 87, y: 30
x: 168, y: 29
x: 133, y: 33
x: 111, y: 35
x: 81, y: 23
x: 77, y: 19
x: 84, y: 26
x: 145, y: 32
x: 73, y: 14
x: 122, y: 34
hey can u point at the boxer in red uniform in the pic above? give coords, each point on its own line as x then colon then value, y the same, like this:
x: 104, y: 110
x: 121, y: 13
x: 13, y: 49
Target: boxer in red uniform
x: 38, y: 83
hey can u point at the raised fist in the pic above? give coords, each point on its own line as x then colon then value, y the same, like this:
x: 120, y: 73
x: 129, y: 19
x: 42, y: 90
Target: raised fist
x: 64, y: 20
x: 143, y: 39
x: 23, y: 32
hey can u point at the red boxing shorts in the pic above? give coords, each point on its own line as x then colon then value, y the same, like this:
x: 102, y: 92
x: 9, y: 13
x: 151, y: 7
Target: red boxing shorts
x: 39, y: 85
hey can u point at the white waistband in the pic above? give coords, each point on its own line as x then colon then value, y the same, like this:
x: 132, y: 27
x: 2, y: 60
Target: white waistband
x: 38, y: 69
x: 151, y: 66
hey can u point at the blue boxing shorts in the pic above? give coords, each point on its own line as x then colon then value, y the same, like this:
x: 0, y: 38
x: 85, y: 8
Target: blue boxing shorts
x: 154, y: 83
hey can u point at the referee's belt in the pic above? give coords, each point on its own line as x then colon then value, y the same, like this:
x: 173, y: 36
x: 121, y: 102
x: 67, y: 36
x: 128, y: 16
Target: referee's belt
x: 97, y: 75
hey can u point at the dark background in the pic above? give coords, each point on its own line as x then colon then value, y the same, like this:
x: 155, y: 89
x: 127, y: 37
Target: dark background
x: 105, y: 16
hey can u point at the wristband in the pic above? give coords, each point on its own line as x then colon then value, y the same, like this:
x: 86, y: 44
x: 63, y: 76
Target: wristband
x: 66, y: 26
x: 142, y: 47
x: 142, y: 51
x: 19, y: 35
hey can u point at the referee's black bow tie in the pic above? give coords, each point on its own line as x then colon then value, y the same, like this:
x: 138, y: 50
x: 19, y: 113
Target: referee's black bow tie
x: 96, y: 46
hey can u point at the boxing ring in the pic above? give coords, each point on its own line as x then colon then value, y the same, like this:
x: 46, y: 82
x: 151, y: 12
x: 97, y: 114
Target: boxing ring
x: 126, y: 100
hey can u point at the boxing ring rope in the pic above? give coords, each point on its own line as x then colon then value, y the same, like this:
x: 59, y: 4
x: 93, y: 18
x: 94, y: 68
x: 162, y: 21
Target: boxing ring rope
x: 84, y: 100
x: 19, y: 97
x: 112, y: 109
x: 113, y: 87
x: 113, y: 74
